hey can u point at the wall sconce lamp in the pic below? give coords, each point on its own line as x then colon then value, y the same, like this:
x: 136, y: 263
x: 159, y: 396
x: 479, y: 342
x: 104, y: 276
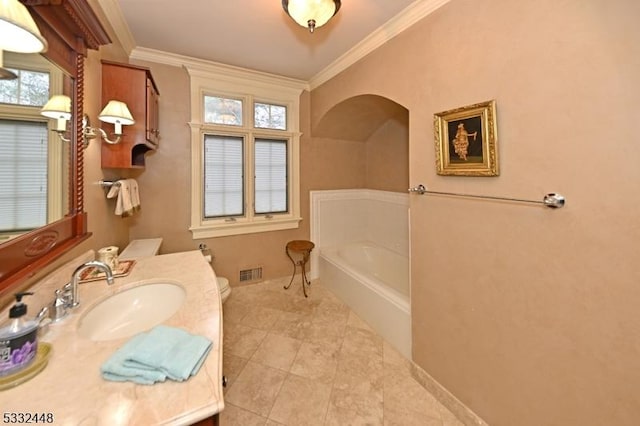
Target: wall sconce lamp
x: 19, y: 33
x: 311, y: 14
x: 58, y: 107
x: 116, y: 112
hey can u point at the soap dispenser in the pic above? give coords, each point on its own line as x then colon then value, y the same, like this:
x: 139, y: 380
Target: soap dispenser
x: 18, y: 340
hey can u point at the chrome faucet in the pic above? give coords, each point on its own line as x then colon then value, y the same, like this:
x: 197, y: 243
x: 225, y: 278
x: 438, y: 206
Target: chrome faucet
x: 75, y: 277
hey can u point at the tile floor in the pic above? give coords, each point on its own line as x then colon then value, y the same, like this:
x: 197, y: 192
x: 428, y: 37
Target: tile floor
x: 296, y: 361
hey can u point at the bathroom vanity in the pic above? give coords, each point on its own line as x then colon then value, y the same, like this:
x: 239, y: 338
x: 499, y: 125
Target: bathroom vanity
x: 70, y: 389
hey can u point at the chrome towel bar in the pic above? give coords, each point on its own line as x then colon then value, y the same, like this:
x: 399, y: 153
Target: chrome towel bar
x: 551, y: 200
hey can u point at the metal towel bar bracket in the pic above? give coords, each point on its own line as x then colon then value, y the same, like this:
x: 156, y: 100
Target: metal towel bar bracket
x: 551, y: 200
x: 108, y: 183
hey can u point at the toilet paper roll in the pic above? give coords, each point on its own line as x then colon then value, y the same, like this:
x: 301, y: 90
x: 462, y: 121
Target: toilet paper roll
x: 208, y: 258
x: 109, y: 255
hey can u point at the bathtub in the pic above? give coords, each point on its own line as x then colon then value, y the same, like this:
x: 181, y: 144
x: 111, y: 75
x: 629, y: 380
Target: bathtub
x: 374, y: 282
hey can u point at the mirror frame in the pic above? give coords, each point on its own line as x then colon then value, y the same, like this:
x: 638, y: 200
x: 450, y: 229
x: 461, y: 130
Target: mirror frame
x: 71, y: 28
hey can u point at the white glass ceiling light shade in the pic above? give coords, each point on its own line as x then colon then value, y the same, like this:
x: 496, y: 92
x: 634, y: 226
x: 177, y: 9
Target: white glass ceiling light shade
x: 117, y: 113
x: 18, y: 31
x: 58, y: 108
x: 311, y: 13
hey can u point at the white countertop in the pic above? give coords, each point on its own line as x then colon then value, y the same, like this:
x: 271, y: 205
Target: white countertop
x: 71, y: 388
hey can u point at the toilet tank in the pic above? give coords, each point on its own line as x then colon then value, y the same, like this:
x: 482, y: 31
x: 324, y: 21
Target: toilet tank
x: 141, y: 248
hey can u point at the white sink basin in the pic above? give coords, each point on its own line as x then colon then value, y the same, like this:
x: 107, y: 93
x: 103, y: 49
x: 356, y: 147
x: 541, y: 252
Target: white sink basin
x: 131, y: 311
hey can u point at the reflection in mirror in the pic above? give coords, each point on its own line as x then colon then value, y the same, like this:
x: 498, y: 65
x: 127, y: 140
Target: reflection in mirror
x: 70, y: 28
x: 34, y: 161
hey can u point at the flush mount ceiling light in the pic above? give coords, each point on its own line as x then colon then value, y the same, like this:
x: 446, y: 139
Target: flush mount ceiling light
x: 311, y: 14
x: 18, y: 32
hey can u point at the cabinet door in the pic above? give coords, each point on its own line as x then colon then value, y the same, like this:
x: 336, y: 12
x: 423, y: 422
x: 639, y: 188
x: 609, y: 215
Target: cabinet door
x: 153, y: 121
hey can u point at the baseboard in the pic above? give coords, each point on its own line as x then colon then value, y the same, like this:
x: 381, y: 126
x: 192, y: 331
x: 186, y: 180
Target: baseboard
x: 461, y: 411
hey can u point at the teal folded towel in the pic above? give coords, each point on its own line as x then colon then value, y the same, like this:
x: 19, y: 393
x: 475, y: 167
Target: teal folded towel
x: 115, y: 370
x: 164, y: 352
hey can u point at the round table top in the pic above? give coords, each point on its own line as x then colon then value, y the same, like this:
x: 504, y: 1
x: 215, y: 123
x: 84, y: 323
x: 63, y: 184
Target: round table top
x: 300, y: 245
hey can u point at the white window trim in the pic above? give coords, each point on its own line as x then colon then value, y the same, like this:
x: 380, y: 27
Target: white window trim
x: 219, y: 80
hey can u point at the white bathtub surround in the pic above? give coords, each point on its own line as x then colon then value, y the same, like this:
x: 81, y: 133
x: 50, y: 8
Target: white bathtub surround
x: 362, y: 240
x: 350, y: 215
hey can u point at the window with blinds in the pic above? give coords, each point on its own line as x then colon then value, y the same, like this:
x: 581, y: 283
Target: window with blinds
x: 245, y: 161
x: 223, y: 176
x: 270, y: 187
x: 23, y: 175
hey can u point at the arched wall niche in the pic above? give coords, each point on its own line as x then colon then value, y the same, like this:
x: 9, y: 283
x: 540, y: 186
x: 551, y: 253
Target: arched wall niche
x: 382, y: 126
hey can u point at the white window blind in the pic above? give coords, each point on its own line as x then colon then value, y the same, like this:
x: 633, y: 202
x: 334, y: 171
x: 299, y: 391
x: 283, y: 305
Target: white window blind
x: 270, y: 176
x: 223, y: 176
x: 23, y: 175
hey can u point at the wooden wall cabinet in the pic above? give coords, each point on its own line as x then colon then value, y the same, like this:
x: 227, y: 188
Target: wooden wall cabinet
x: 133, y: 85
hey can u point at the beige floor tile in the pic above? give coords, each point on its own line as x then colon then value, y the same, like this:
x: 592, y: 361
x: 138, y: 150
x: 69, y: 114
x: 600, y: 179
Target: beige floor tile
x: 277, y: 351
x: 276, y: 299
x: 240, y: 340
x: 406, y: 401
x: 301, y: 402
x: 361, y: 342
x: 234, y: 311
x: 300, y: 304
x: 231, y: 367
x: 354, y: 408
x: 317, y: 361
x: 353, y: 365
x: 292, y: 325
x: 256, y: 388
x: 320, y: 330
x: 249, y: 295
x: 391, y: 356
x: 332, y: 311
x: 357, y: 322
x: 340, y: 372
x: 236, y: 416
x: 261, y: 318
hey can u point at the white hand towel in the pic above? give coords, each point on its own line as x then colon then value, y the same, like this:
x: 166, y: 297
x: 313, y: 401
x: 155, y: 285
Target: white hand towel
x: 135, y: 195
x: 128, y: 198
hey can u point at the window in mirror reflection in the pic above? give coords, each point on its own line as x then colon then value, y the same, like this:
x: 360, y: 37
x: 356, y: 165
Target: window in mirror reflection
x: 30, y: 88
x: 32, y: 163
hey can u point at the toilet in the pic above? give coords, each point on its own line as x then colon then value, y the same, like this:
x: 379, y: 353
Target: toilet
x: 225, y: 289
x: 150, y: 247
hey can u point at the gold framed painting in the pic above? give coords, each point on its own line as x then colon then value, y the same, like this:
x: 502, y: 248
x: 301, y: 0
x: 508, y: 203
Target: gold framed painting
x: 466, y: 140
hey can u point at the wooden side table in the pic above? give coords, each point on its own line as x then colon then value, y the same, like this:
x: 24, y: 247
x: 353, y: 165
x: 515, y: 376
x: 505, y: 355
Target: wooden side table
x: 299, y: 248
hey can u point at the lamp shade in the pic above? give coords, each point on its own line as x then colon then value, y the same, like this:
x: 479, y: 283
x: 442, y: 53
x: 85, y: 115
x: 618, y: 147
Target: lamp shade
x: 116, y: 112
x: 58, y: 107
x: 18, y: 31
x: 311, y: 13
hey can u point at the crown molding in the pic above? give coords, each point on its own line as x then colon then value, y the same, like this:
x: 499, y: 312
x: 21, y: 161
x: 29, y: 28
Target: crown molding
x: 405, y: 19
x: 202, y: 67
x: 113, y: 12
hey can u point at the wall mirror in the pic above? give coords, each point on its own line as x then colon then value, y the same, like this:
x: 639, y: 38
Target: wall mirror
x: 71, y: 28
x: 34, y: 161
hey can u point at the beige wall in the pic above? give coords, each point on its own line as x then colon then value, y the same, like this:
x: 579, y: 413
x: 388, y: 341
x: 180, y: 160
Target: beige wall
x: 387, y: 158
x: 528, y: 315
